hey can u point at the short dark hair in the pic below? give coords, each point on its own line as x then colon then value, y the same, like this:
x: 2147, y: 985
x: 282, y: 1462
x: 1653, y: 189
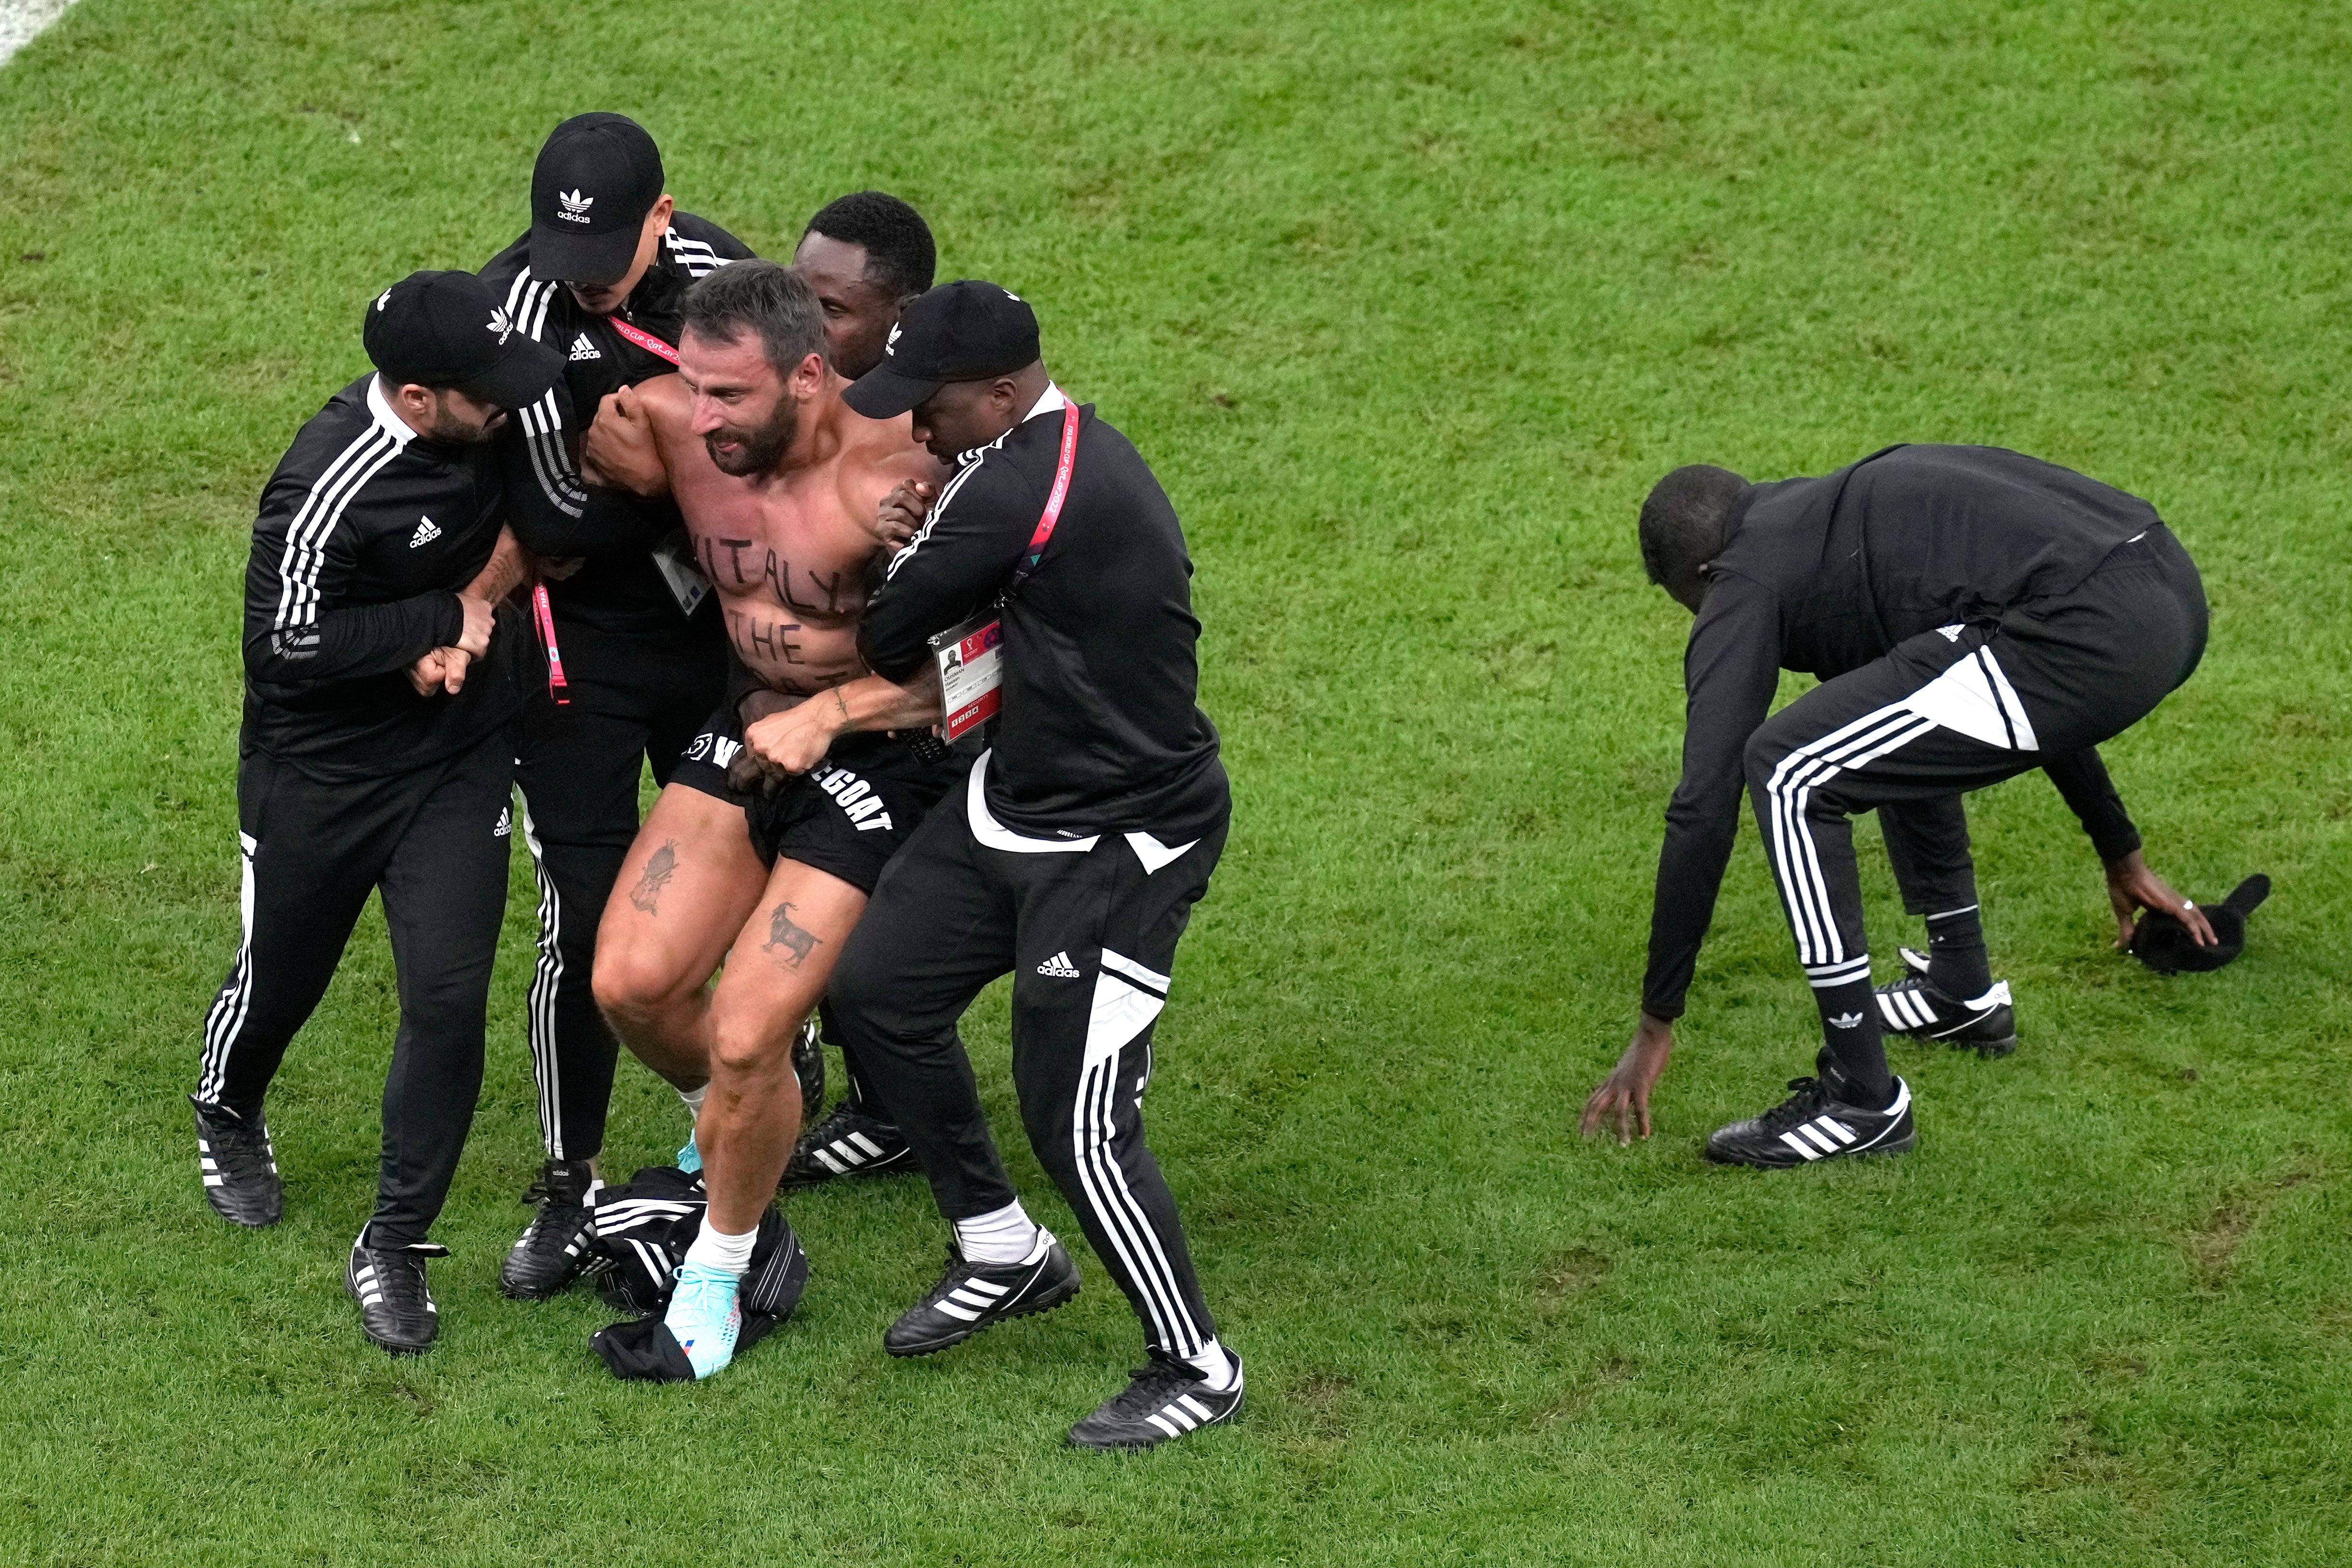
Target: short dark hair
x: 899, y: 248
x: 772, y: 301
x: 1685, y: 523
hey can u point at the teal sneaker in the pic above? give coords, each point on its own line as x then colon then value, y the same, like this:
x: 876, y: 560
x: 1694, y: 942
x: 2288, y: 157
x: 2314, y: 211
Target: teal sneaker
x: 704, y: 1318
x: 689, y: 1159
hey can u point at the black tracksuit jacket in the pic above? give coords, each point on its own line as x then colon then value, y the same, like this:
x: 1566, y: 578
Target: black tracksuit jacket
x: 617, y: 588
x: 1824, y: 575
x: 1098, y: 729
x: 364, y: 536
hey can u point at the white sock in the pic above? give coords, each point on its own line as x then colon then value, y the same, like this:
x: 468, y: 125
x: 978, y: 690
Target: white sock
x: 693, y: 1098
x: 1001, y: 1236
x: 714, y: 1249
x: 1219, y: 1370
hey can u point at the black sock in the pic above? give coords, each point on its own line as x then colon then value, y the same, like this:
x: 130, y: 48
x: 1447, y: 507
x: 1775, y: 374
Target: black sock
x: 1850, y: 1030
x: 1956, y: 954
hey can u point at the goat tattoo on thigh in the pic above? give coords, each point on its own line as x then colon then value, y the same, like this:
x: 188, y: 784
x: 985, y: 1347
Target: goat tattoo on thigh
x: 796, y: 941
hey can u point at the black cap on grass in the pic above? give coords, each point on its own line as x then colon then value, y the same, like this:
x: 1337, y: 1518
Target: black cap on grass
x: 2164, y: 945
x: 449, y: 329
x: 597, y: 179
x: 964, y: 331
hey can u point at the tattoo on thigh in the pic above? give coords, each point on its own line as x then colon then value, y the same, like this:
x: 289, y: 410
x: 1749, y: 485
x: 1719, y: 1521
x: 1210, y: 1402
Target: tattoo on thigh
x: 660, y: 867
x: 797, y: 941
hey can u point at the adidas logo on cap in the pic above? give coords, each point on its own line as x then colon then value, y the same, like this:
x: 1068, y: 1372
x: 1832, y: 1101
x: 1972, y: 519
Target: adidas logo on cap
x: 426, y: 533
x: 583, y: 349
x: 1058, y: 967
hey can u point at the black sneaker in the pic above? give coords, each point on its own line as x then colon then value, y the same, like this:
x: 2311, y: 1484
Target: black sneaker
x: 971, y: 1296
x: 553, y: 1247
x: 1816, y: 1123
x: 239, y: 1167
x: 1166, y: 1400
x: 849, y: 1142
x: 1917, y: 1006
x: 396, y: 1309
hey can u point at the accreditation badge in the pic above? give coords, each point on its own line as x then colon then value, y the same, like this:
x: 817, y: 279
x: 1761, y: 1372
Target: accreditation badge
x: 674, y: 559
x: 971, y: 673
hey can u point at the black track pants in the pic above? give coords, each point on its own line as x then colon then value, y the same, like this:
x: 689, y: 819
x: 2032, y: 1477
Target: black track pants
x: 635, y: 700
x: 435, y: 842
x: 1089, y: 936
x: 1951, y: 710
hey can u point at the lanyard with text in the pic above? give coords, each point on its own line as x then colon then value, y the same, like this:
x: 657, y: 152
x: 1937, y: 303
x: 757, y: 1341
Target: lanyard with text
x: 970, y: 657
x: 544, y: 614
x: 644, y: 339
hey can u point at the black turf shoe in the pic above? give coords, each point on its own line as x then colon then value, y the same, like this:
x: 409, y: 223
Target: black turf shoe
x: 971, y: 1296
x: 1917, y: 1006
x: 849, y: 1142
x: 396, y: 1309
x: 1816, y: 1122
x: 553, y: 1247
x: 1166, y: 1400
x: 239, y: 1167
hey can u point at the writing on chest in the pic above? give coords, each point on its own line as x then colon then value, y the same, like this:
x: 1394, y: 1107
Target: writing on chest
x: 748, y: 565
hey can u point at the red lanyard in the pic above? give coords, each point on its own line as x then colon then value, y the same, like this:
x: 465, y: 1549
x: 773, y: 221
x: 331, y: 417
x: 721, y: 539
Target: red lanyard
x: 1053, y: 513
x: 544, y: 613
x: 644, y: 339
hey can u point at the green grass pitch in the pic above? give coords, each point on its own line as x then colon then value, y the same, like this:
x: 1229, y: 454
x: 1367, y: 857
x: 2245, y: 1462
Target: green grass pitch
x: 1408, y: 303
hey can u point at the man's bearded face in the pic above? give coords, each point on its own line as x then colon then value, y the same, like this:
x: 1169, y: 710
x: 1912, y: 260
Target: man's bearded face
x: 754, y: 449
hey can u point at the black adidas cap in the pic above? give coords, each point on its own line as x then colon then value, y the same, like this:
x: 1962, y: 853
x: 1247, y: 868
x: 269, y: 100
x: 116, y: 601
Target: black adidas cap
x: 964, y: 331
x: 595, y: 180
x: 449, y: 329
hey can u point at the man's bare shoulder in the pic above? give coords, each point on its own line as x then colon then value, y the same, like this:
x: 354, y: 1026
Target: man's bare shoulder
x: 879, y: 455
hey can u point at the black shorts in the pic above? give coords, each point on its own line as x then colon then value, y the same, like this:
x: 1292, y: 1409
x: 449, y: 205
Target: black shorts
x: 846, y: 816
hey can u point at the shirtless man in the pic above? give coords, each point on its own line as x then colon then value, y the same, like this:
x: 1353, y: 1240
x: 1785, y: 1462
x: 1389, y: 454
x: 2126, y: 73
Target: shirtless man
x: 781, y: 486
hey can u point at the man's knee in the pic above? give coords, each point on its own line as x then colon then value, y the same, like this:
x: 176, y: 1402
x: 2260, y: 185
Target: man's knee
x: 631, y: 981
x: 748, y: 1046
x: 1761, y: 758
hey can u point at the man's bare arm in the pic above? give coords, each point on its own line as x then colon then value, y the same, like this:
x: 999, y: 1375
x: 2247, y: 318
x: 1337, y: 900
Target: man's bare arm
x: 622, y: 449
x: 797, y: 739
x: 508, y: 565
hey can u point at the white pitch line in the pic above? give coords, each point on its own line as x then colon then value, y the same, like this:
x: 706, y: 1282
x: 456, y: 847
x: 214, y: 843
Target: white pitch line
x: 22, y: 20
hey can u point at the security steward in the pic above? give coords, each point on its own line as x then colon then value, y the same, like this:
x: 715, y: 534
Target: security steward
x: 1973, y: 614
x: 597, y: 277
x: 1080, y: 843
x: 382, y: 711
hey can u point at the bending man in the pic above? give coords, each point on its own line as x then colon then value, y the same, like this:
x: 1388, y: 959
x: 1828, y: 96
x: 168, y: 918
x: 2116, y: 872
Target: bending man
x: 1973, y: 613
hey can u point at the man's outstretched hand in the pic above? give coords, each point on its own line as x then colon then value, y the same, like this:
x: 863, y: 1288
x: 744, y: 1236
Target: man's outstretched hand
x: 2132, y: 886
x: 1624, y: 1094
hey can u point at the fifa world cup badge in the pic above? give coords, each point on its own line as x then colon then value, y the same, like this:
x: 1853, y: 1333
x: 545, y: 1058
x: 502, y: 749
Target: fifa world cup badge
x: 971, y: 673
